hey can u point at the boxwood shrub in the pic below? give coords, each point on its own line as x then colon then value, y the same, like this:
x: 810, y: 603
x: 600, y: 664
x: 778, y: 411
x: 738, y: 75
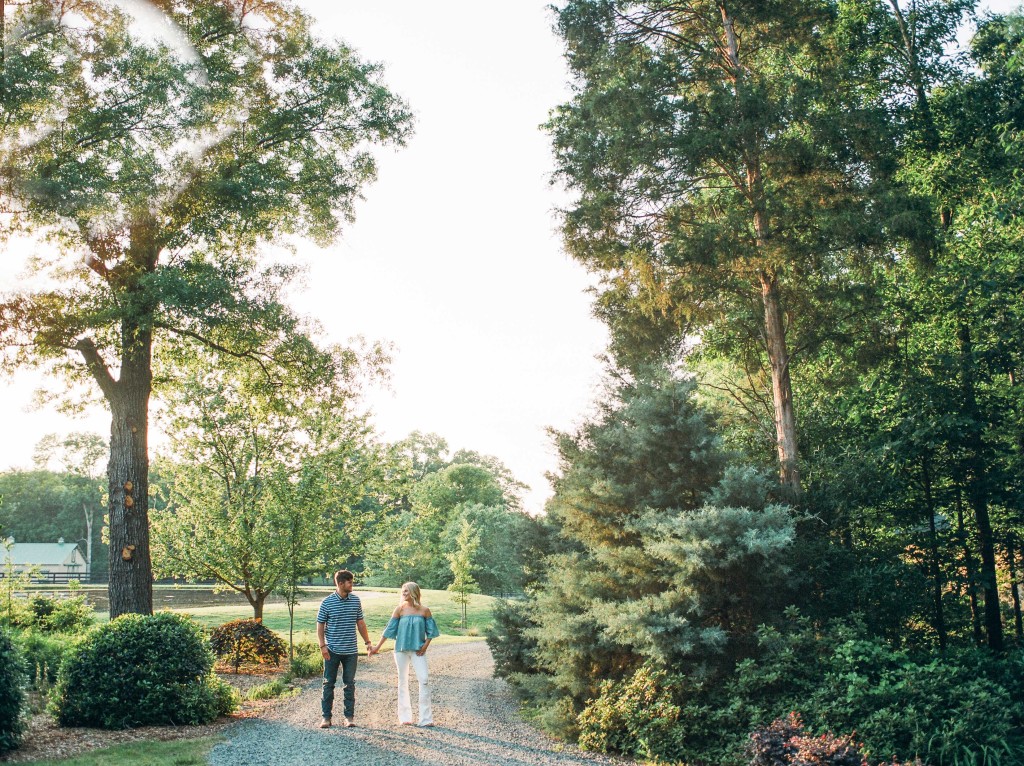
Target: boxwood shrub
x: 12, y: 694
x: 140, y: 670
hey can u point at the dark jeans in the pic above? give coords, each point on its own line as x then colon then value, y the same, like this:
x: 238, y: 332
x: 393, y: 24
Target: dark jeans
x: 348, y: 664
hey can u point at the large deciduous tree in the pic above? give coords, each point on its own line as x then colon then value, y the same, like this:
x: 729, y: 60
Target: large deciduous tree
x: 160, y: 165
x: 723, y: 171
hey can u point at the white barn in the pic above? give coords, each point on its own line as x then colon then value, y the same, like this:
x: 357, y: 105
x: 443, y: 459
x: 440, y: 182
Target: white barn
x: 59, y: 561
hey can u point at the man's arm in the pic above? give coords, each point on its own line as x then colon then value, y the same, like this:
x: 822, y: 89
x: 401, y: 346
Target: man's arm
x: 361, y: 627
x: 322, y: 641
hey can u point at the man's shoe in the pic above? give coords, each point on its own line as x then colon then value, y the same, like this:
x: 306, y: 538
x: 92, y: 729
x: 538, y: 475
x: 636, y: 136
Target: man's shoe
x: 349, y: 723
x: 325, y: 723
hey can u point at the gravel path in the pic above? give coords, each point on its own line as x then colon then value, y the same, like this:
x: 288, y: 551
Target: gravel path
x: 477, y: 723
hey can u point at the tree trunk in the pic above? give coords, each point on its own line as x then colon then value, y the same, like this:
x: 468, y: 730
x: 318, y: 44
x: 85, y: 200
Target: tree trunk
x: 87, y: 510
x: 131, y: 571
x: 936, y: 569
x: 782, y: 390
x: 774, y: 326
x: 257, y: 604
x: 977, y: 493
x: 1011, y: 559
x: 972, y: 594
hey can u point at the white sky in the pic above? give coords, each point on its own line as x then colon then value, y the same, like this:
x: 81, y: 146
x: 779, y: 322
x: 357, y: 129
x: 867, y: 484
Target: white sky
x: 454, y: 257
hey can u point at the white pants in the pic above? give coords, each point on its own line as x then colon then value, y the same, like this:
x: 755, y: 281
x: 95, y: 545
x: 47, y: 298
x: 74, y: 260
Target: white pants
x: 419, y: 664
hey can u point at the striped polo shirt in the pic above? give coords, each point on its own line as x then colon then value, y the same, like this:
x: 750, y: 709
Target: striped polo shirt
x: 339, y: 616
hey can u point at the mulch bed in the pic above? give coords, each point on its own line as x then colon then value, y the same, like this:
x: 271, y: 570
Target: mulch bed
x: 45, y: 740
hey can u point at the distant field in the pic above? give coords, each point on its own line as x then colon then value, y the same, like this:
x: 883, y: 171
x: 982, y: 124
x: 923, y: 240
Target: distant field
x: 377, y: 606
x: 213, y: 609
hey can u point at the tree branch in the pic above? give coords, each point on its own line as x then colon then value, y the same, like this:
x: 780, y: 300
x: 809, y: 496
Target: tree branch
x: 97, y: 367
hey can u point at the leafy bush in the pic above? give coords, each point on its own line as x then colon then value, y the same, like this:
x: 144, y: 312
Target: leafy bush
x: 43, y: 654
x: 12, y: 694
x: 307, y: 661
x: 56, y: 615
x: 141, y: 670
x: 639, y: 716
x: 957, y: 709
x: 243, y: 642
x: 785, y: 743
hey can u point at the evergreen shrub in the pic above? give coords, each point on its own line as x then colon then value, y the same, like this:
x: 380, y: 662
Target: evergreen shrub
x: 140, y: 670
x: 12, y: 694
x: 247, y: 642
x: 43, y: 653
x: 58, y: 615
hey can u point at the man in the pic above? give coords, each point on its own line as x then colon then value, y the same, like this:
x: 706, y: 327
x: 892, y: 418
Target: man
x: 340, y: 615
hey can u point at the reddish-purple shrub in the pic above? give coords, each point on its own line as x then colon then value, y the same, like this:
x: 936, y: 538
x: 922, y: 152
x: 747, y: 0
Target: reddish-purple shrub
x: 785, y: 743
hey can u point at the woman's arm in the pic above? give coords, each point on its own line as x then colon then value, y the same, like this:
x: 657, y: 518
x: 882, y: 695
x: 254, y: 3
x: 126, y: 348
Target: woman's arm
x: 427, y: 622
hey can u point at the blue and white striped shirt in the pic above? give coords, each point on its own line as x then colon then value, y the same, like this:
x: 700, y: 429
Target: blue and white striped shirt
x: 339, y: 616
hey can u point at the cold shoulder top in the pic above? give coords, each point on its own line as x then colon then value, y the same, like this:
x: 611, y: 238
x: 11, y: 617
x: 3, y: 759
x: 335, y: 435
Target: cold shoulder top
x: 411, y: 631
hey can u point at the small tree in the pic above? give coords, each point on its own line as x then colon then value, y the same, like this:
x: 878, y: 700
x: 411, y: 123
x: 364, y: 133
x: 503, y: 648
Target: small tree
x: 461, y: 560
x: 15, y: 580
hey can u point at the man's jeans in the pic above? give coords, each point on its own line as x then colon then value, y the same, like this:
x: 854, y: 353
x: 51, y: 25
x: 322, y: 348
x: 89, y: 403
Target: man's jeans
x: 348, y: 664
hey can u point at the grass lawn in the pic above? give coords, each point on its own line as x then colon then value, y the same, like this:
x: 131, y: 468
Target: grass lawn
x: 377, y: 611
x: 182, y: 752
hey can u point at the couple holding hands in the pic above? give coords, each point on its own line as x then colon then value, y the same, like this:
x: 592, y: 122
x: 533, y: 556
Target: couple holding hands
x: 412, y: 628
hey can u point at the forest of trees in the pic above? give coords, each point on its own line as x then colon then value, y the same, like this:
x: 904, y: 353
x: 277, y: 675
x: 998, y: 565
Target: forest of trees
x: 805, y: 488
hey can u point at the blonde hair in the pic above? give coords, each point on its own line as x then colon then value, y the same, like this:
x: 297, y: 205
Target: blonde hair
x: 414, y: 593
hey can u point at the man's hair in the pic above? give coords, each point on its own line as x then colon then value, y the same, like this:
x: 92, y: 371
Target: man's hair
x: 343, y: 575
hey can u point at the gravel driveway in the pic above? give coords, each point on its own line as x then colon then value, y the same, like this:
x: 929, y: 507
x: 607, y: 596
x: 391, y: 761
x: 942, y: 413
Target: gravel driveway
x: 477, y: 723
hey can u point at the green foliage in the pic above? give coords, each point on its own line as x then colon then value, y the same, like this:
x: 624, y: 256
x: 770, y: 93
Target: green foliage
x: 461, y: 560
x: 271, y: 690
x: 247, y: 642
x: 306, y: 661
x: 43, y: 506
x: 52, y: 614
x: 267, y: 481
x: 510, y: 639
x: 140, y: 670
x: 649, y: 572
x: 249, y: 128
x: 44, y: 653
x: 944, y: 710
x: 637, y: 716
x: 12, y: 693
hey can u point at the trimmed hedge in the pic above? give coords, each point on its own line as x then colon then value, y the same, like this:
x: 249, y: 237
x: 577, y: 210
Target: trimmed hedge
x: 140, y: 670
x: 12, y: 694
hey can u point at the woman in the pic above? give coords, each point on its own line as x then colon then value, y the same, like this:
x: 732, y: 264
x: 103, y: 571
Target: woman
x: 412, y: 628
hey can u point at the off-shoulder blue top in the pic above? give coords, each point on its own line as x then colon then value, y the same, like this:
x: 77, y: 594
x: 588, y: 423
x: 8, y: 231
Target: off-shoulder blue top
x: 411, y: 631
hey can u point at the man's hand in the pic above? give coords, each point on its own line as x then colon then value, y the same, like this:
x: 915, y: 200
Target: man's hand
x: 325, y: 652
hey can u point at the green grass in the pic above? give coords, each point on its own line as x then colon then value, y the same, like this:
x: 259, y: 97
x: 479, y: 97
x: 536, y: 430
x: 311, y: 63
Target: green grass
x: 377, y: 611
x: 181, y: 752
